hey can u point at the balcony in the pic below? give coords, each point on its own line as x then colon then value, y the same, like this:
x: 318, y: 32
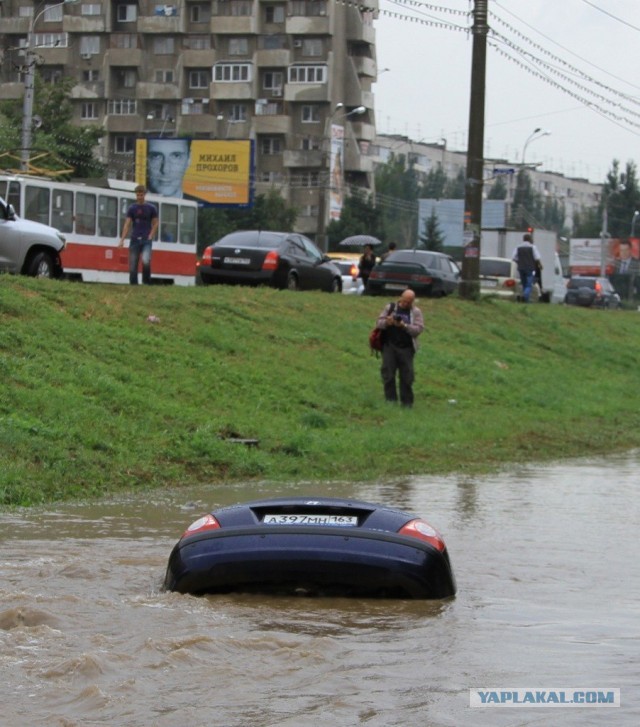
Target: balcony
x: 124, y: 57
x: 302, y: 158
x: 198, y: 58
x: 363, y: 131
x: 197, y: 124
x: 307, y: 92
x: 364, y: 66
x: 83, y: 24
x: 88, y: 91
x: 11, y: 90
x: 238, y: 91
x: 273, y: 58
x: 311, y: 25
x: 272, y: 124
x: 162, y: 24
x: 124, y: 124
x: 241, y: 25
x: 15, y: 26
x: 158, y: 91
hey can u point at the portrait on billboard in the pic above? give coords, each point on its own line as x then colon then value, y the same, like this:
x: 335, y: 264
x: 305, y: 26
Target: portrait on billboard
x: 336, y: 172
x: 212, y: 172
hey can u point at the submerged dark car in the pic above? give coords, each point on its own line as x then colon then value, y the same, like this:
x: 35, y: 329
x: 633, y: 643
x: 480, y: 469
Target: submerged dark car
x: 594, y: 292
x: 427, y: 273
x: 278, y: 259
x: 313, y: 546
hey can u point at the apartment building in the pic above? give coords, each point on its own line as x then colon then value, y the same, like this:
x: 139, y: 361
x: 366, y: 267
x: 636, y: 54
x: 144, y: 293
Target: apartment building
x: 279, y: 73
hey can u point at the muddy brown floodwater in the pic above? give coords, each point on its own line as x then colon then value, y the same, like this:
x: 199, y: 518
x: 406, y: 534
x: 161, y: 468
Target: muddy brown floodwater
x: 546, y: 559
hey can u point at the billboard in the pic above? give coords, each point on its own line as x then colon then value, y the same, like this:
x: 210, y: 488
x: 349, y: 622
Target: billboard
x: 336, y: 167
x: 216, y: 172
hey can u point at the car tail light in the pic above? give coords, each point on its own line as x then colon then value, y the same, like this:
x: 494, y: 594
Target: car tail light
x: 598, y: 287
x: 421, y: 530
x: 354, y: 271
x: 510, y: 283
x: 207, y: 255
x: 208, y: 522
x: 426, y: 279
x: 271, y: 261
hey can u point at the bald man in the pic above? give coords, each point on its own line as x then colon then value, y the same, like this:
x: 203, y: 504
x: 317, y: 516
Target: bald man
x: 402, y: 323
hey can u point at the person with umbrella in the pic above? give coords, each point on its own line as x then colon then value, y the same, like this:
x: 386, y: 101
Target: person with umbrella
x: 366, y: 264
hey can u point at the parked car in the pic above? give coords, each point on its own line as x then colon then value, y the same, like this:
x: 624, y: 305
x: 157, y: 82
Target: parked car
x: 499, y: 277
x: 28, y: 248
x: 594, y: 292
x: 351, y: 282
x: 426, y: 272
x: 278, y: 259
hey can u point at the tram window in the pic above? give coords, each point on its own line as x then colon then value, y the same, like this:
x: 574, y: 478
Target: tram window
x: 125, y: 203
x: 13, y: 197
x: 188, y: 225
x: 62, y: 210
x: 107, y: 216
x: 3, y: 189
x: 168, y: 222
x: 85, y: 213
x: 36, y: 203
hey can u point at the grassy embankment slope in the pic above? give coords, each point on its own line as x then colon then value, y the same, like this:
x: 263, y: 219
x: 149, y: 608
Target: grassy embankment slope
x: 96, y: 399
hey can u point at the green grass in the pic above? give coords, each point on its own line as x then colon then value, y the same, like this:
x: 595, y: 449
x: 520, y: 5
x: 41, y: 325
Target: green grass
x: 96, y: 399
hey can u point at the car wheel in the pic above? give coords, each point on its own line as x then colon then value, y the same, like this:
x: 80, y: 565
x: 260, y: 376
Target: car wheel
x: 336, y: 286
x: 41, y: 266
x: 292, y: 282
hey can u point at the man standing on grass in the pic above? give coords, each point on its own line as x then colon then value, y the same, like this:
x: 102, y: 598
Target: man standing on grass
x: 142, y: 221
x: 402, y: 323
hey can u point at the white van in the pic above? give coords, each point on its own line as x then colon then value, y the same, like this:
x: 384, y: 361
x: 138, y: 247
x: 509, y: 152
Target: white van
x: 28, y: 248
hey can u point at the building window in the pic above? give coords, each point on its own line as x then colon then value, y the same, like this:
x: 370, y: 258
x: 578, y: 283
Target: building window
x: 90, y: 9
x: 309, y: 8
x: 90, y: 45
x: 199, y: 79
x: 197, y: 42
x: 235, y: 8
x: 272, y: 81
x: 238, y: 46
x: 307, y: 74
x: 274, y: 14
x: 268, y: 109
x: 164, y: 75
x: 232, y: 72
x: 200, y: 13
x: 311, y: 143
x: 305, y: 179
x: 310, y: 210
x: 52, y: 14
x: 272, y: 42
x: 51, y: 75
x: 129, y: 78
x: 89, y: 110
x: 164, y: 46
x: 237, y: 113
x: 124, y: 144
x: 271, y: 177
x: 193, y: 108
x: 122, y: 107
x: 270, y: 145
x: 127, y: 13
x: 51, y: 40
x: 312, y: 47
x: 91, y: 75
x: 310, y: 114
x: 124, y: 40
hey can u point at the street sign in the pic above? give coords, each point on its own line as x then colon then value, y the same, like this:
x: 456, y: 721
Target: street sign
x: 506, y: 170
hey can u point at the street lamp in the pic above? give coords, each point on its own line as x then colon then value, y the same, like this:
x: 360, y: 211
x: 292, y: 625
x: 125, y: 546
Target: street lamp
x: 29, y: 80
x: 325, y: 167
x: 633, y: 223
x: 536, y: 134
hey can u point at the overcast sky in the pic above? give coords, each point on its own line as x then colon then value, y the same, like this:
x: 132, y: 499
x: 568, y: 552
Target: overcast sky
x: 559, y: 55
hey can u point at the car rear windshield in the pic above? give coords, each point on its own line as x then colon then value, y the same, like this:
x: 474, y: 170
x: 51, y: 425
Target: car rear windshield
x: 413, y: 256
x: 251, y: 238
x: 496, y: 268
x: 582, y: 283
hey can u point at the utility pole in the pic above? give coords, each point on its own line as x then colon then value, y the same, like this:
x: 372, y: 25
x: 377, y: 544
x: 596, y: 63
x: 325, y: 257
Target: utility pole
x: 469, y: 287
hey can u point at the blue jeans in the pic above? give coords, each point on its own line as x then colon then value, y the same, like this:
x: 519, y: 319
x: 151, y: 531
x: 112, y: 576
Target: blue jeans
x: 140, y: 247
x: 526, y: 277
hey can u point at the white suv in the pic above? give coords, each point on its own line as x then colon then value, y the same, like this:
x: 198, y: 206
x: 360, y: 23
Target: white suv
x: 28, y: 248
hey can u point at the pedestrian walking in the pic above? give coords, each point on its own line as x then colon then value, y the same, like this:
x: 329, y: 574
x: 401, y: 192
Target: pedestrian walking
x: 142, y: 223
x: 402, y: 323
x: 527, y: 258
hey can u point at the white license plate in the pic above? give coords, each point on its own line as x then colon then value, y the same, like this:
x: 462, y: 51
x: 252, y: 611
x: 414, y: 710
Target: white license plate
x: 294, y: 519
x: 236, y: 261
x: 488, y: 283
x: 395, y: 286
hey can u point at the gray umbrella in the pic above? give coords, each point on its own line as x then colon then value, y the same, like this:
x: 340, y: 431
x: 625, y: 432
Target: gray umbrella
x: 359, y: 241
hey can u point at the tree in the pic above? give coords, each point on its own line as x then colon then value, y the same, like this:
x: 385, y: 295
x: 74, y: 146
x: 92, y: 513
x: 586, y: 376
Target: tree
x: 269, y: 212
x: 67, y: 145
x: 359, y: 216
x: 435, y: 183
x: 432, y: 238
x: 397, y: 193
x: 497, y: 190
x: 621, y: 196
x: 455, y: 188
